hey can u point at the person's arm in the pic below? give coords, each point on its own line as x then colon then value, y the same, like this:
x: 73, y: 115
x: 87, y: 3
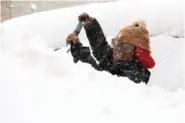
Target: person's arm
x: 145, y: 58
x: 81, y: 53
x: 95, y: 35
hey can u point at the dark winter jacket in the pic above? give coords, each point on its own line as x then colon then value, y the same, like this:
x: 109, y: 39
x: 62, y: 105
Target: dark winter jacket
x: 103, y: 53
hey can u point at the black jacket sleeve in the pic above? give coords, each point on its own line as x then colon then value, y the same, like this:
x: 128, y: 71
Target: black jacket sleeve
x: 101, y: 50
x: 83, y: 54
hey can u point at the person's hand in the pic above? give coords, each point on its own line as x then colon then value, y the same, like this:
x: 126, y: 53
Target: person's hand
x: 84, y: 17
x: 72, y: 38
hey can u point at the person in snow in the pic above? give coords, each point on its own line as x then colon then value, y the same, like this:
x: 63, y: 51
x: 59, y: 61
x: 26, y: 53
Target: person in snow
x: 129, y: 55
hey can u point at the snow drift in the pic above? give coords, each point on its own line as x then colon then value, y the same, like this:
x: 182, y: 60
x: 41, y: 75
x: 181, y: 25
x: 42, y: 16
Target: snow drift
x: 38, y: 85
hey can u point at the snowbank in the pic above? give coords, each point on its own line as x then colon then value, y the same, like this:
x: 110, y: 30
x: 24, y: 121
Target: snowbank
x: 50, y: 29
x: 38, y: 85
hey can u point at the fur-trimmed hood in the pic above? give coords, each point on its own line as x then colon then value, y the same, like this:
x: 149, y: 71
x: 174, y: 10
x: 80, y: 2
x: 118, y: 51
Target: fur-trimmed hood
x: 135, y: 34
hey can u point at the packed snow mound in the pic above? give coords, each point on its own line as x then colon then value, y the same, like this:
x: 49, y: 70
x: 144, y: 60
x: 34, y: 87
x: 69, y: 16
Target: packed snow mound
x: 38, y: 85
x: 50, y: 29
x: 46, y: 87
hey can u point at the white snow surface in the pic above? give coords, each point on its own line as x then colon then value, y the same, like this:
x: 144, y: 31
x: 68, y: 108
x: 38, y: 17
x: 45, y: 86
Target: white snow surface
x: 38, y: 85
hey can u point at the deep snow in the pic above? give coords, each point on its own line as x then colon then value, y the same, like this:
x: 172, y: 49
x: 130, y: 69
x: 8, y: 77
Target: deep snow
x: 38, y: 85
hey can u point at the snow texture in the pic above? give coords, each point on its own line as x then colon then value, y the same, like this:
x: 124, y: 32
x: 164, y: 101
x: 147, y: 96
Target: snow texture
x: 38, y: 85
